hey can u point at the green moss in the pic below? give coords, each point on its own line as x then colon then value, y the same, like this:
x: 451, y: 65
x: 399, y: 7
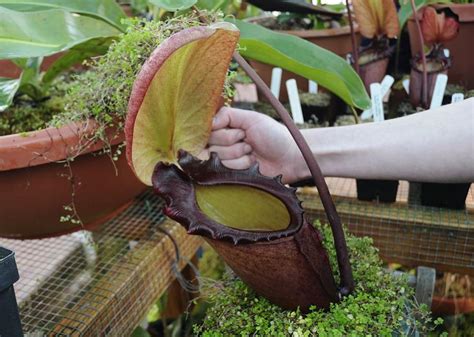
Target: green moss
x: 320, y: 99
x: 103, y: 91
x: 26, y: 115
x: 376, y: 308
x: 211, y: 265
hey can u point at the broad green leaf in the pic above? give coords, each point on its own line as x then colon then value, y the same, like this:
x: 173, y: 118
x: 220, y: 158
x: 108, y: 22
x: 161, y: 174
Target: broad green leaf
x: 8, y: 89
x: 107, y: 10
x: 75, y: 55
x: 35, y: 34
x: 242, y: 207
x: 175, y: 96
x: 303, y: 58
x: 213, y: 5
x: 173, y: 5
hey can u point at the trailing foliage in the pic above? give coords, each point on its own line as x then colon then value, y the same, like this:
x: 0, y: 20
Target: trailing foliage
x: 103, y: 91
x: 378, y: 307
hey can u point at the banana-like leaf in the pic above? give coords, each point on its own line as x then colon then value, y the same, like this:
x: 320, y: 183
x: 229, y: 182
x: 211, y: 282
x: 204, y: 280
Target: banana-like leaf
x: 294, y: 6
x: 173, y: 5
x: 106, y: 10
x: 8, y: 89
x: 175, y: 96
x: 76, y: 55
x: 35, y: 34
x: 376, y: 18
x: 303, y: 58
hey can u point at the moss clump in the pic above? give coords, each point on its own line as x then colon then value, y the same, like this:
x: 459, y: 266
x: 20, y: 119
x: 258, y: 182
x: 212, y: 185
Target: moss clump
x: 378, y: 306
x: 320, y: 99
x: 102, y: 92
x: 28, y: 115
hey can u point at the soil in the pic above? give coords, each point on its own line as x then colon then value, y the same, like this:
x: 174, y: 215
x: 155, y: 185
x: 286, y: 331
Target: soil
x: 26, y: 115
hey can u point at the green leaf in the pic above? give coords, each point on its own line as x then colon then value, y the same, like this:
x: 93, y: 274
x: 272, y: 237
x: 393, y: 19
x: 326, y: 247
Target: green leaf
x: 106, y: 10
x: 303, y: 58
x: 76, y: 55
x: 35, y: 34
x: 213, y: 5
x: 8, y: 89
x: 173, y: 5
x: 140, y: 332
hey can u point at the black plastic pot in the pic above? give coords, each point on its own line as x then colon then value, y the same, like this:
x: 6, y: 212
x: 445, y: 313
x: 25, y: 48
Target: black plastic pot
x: 378, y: 190
x: 10, y: 325
x: 451, y: 196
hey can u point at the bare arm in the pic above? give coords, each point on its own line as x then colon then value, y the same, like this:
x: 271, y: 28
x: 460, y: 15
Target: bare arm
x: 435, y: 145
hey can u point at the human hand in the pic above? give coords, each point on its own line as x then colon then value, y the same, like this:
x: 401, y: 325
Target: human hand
x: 241, y: 137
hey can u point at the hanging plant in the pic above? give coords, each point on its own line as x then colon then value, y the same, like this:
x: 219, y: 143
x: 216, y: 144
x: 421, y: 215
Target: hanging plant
x: 254, y: 222
x: 436, y: 28
x: 378, y: 24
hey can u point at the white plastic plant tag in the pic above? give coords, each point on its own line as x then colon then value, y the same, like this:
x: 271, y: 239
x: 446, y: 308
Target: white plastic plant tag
x: 377, y: 104
x: 386, y: 84
x: 438, y: 92
x: 276, y: 81
x: 349, y: 58
x: 457, y: 97
x: 406, y: 85
x: 295, y: 103
x: 446, y: 52
x: 313, y: 87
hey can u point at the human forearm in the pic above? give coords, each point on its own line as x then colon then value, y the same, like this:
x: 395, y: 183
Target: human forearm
x: 435, y: 146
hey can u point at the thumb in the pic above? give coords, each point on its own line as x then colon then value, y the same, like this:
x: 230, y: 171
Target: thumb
x: 228, y: 117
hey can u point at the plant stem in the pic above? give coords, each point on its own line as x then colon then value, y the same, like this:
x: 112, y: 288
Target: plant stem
x: 345, y: 270
x: 424, y: 90
x: 355, y: 51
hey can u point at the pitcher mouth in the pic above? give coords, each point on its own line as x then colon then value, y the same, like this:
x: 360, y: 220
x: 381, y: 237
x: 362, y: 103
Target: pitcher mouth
x: 181, y: 188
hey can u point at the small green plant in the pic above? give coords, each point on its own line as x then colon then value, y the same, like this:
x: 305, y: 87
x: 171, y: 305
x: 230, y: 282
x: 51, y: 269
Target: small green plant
x: 380, y: 305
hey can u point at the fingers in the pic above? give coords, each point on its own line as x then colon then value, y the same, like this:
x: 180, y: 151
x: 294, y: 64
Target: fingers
x: 226, y: 137
x: 241, y: 163
x: 233, y: 118
x: 232, y: 152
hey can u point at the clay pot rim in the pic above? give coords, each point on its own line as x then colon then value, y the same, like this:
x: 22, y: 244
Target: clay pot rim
x: 52, y: 144
x: 312, y: 33
x: 464, y: 11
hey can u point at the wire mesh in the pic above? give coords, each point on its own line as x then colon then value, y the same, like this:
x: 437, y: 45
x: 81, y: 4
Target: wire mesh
x: 406, y: 234
x: 99, y: 283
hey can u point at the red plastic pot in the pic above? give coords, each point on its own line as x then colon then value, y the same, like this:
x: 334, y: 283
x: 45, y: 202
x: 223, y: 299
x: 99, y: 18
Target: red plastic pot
x: 462, y: 70
x: 36, y: 184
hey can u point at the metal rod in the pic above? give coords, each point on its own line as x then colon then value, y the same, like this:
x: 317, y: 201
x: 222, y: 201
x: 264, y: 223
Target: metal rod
x: 345, y: 270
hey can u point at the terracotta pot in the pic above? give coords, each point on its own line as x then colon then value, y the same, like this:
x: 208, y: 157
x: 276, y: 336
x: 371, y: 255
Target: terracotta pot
x: 462, y: 70
x: 36, y: 183
x: 445, y: 306
x: 337, y: 40
x: 10, y: 69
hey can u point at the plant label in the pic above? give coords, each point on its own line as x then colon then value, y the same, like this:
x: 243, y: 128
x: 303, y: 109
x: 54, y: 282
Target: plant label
x: 438, y: 92
x: 349, y: 58
x: 386, y: 84
x: 295, y: 103
x: 446, y: 52
x: 276, y: 82
x: 377, y: 104
x: 406, y: 85
x: 457, y: 97
x: 313, y: 87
